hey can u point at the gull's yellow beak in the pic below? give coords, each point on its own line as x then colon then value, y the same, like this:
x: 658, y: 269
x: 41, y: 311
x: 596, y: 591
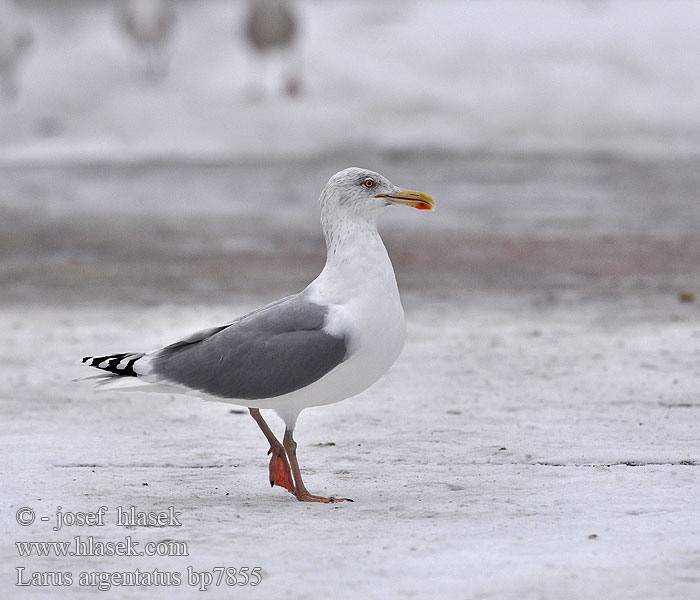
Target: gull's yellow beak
x: 412, y: 198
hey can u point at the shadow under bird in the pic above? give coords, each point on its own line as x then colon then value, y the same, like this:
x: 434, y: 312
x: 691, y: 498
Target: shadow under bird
x: 150, y: 25
x: 322, y: 345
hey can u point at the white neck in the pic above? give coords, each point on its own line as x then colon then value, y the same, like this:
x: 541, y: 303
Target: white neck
x: 356, y: 261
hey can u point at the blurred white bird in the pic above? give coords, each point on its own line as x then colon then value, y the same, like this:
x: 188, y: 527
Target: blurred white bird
x: 150, y: 24
x: 15, y: 41
x: 271, y: 28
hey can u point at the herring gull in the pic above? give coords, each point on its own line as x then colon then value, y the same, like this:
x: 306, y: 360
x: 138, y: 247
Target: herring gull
x: 272, y: 26
x: 326, y: 343
x: 15, y: 41
x: 150, y: 25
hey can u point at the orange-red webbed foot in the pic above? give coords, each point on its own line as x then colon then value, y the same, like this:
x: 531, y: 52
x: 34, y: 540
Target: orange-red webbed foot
x: 280, y: 473
x: 305, y: 496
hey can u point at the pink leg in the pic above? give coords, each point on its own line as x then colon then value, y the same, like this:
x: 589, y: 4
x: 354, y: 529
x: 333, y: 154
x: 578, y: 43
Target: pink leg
x: 280, y: 473
x: 300, y: 491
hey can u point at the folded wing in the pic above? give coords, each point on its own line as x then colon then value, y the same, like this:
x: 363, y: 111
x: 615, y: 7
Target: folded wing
x: 272, y: 351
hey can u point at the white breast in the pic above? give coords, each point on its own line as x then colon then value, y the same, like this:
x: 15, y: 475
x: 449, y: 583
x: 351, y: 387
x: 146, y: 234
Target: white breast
x: 375, y: 329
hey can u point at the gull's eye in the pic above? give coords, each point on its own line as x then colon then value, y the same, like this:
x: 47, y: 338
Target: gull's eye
x: 369, y: 183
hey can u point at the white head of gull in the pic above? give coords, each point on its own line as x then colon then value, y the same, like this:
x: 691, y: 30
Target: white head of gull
x: 327, y: 343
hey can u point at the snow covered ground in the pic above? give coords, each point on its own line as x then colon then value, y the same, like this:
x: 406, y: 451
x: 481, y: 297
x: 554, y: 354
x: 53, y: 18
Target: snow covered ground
x: 524, y: 446
x: 538, y: 437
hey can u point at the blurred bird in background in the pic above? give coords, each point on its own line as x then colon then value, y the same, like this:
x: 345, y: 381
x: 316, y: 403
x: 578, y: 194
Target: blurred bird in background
x: 150, y: 25
x: 16, y: 39
x: 271, y: 30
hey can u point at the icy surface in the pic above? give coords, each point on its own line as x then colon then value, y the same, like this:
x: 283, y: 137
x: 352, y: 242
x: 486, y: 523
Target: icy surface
x: 522, y: 447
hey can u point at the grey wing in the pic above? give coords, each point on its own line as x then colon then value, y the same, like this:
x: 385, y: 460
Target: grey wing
x: 272, y: 351
x: 203, y: 334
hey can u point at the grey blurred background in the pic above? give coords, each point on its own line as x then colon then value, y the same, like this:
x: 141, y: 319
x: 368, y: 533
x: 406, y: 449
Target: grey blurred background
x: 168, y: 150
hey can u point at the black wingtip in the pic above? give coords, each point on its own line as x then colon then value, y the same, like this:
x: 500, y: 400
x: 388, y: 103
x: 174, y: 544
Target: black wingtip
x: 113, y: 363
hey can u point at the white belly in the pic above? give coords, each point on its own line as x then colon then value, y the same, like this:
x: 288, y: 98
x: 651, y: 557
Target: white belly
x: 376, y: 331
